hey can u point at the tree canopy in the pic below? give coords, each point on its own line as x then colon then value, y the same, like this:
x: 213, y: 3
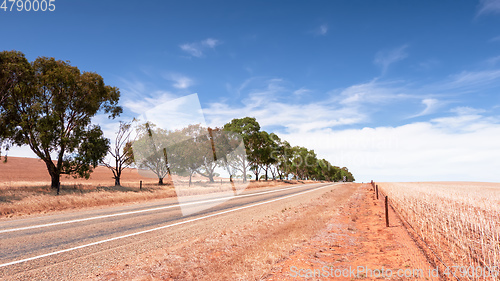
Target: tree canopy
x: 48, y: 105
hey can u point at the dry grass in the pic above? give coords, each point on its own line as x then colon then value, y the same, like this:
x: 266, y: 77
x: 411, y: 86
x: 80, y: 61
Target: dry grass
x: 26, y: 200
x: 25, y: 188
x: 33, y: 200
x: 459, y: 221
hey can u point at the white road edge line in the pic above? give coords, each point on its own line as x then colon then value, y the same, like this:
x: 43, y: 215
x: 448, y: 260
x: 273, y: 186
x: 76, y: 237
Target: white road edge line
x: 143, y: 211
x: 158, y: 228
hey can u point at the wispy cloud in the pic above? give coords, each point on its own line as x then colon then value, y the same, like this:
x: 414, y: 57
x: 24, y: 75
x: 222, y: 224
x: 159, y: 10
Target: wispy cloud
x: 321, y: 30
x: 495, y: 39
x: 431, y: 106
x: 427, y: 64
x: 267, y: 100
x: 180, y: 81
x: 210, y: 42
x: 138, y: 97
x: 372, y: 92
x: 465, y: 110
x: 192, y: 49
x: 493, y: 60
x: 197, y: 49
x: 472, y: 80
x: 385, y: 58
x: 302, y: 91
x: 488, y: 7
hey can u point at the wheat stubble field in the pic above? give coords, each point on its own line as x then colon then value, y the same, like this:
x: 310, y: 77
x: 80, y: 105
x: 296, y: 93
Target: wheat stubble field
x: 457, y: 223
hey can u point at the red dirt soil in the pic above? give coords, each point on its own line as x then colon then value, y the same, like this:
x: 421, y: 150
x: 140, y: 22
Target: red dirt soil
x: 357, y: 237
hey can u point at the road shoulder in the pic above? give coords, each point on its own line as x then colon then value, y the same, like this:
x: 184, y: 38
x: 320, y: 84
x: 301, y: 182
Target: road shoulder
x: 357, y: 244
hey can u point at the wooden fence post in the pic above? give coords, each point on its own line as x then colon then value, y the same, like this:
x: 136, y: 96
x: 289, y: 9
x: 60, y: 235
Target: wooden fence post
x: 376, y: 190
x: 386, y: 212
x: 140, y: 186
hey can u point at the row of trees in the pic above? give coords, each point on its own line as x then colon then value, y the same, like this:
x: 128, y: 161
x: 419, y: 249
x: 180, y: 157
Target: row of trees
x: 48, y: 104
x: 276, y: 158
x: 239, y: 148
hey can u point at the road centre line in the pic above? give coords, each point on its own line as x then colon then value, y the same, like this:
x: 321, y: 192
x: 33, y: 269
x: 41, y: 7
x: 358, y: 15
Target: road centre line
x: 158, y: 228
x: 143, y: 211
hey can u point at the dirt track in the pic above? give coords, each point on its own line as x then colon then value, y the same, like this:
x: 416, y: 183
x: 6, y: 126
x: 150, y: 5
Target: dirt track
x: 358, y: 237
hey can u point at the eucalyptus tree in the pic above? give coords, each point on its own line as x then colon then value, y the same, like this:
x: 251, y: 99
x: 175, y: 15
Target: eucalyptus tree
x: 246, y: 128
x: 213, y: 152
x: 119, y: 152
x: 149, y: 150
x: 187, y: 154
x: 48, y: 105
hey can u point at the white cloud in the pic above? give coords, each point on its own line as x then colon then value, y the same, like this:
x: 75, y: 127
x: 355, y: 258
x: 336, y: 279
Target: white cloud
x: 177, y: 113
x: 423, y: 151
x: 139, y: 106
x: 180, y: 81
x: 431, y: 105
x: 465, y: 110
x: 192, y: 49
x: 268, y: 101
x: 493, y: 60
x: 372, y: 92
x: 489, y: 7
x: 302, y: 91
x: 323, y: 29
x: 210, y: 42
x: 386, y: 58
x: 197, y: 49
x: 471, y: 80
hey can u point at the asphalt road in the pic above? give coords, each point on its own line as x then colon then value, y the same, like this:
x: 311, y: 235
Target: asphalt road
x: 43, y: 245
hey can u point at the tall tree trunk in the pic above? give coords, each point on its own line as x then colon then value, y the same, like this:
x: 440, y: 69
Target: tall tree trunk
x: 160, y: 181
x: 118, y: 176
x: 211, y: 177
x: 56, y: 182
x: 266, y: 172
x: 244, y: 170
x: 55, y: 175
x: 190, y: 176
x: 256, y: 176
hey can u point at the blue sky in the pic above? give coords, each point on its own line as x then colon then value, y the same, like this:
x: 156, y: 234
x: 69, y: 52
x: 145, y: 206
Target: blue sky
x: 394, y: 90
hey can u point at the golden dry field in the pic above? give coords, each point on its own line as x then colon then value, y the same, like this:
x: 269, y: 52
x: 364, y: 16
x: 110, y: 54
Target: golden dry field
x: 459, y: 223
x: 25, y: 188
